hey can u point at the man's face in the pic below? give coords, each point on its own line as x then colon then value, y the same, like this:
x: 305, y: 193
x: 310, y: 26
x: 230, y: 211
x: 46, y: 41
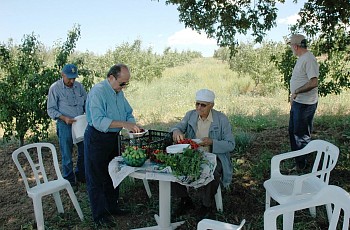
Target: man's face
x: 203, y: 108
x: 68, y: 81
x: 119, y: 83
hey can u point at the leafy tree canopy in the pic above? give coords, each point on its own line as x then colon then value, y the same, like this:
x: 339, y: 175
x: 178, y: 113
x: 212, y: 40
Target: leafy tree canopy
x: 324, y: 22
x: 224, y: 19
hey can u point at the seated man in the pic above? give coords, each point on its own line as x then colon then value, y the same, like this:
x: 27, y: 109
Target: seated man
x: 215, y: 132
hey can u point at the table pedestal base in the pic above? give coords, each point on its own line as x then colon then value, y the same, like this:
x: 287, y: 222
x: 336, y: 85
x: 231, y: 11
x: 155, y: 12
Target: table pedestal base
x: 157, y: 227
x: 163, y: 221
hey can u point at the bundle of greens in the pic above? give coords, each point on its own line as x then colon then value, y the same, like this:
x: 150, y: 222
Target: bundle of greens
x: 186, y: 164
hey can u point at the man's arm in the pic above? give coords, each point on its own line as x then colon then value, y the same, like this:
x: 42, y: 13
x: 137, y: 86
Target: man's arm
x: 313, y: 83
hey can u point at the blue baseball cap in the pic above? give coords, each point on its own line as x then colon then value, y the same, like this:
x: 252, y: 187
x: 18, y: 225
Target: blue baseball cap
x: 70, y: 70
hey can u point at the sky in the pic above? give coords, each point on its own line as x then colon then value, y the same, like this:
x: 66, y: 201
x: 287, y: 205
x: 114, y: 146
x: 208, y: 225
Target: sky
x: 106, y: 24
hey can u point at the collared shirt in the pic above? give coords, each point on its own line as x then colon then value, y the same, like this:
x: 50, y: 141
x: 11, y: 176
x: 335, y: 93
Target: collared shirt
x: 103, y: 105
x: 66, y: 101
x: 203, y: 126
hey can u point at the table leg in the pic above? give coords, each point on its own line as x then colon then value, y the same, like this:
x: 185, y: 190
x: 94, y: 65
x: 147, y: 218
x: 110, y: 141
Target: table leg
x: 163, y: 220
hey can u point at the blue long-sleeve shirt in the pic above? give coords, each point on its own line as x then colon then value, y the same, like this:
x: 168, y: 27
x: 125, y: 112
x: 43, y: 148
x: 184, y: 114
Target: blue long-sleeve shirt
x: 103, y: 105
x: 66, y: 101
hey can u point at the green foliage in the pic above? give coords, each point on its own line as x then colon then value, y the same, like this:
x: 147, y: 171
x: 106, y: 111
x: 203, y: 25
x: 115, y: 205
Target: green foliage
x: 173, y: 58
x: 261, y: 167
x: 324, y: 21
x: 25, y: 85
x: 285, y: 62
x: 144, y: 64
x: 243, y: 140
x: 222, y: 20
x: 255, y: 63
x: 334, y: 67
x: 23, y: 93
x: 186, y: 164
x: 67, y: 48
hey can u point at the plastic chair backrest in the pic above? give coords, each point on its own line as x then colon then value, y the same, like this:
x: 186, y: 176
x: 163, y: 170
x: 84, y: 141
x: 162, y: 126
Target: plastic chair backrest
x: 328, y: 195
x: 326, y: 157
x: 33, y: 154
x: 325, y: 161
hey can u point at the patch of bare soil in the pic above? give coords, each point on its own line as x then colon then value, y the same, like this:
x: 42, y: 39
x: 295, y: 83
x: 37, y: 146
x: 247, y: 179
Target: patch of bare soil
x: 244, y: 199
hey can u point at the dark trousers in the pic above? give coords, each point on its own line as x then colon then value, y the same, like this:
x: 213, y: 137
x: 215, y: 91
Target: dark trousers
x: 300, y: 127
x: 100, y: 149
x: 207, y: 192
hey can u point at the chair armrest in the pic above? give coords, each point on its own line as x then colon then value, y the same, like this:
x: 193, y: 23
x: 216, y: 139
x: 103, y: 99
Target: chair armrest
x: 276, y: 160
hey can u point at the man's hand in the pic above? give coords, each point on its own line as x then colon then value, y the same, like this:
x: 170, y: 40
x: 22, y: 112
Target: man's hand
x: 178, y: 135
x: 206, y: 141
x: 67, y: 120
x: 292, y: 97
x: 132, y: 127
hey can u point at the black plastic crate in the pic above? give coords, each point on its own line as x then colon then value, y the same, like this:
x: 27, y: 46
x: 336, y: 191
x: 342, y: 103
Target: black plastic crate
x: 153, y: 139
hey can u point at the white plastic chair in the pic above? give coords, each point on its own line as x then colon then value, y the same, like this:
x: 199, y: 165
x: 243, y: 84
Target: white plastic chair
x: 206, y: 224
x: 31, y: 165
x: 290, y: 188
x: 338, y: 197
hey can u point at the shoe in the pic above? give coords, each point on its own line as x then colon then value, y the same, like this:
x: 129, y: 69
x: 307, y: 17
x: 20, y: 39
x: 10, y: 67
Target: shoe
x: 118, y: 212
x: 105, y: 222
x: 183, y: 206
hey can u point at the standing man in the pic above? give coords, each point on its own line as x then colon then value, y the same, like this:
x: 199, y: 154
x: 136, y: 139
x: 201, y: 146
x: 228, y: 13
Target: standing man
x: 107, y: 112
x: 215, y: 132
x: 303, y: 96
x: 66, y: 100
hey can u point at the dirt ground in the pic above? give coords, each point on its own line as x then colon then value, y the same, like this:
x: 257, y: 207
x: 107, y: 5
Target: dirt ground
x: 244, y: 198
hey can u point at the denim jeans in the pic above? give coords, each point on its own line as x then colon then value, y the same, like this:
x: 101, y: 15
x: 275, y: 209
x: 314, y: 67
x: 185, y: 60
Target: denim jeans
x: 64, y: 133
x: 300, y: 128
x: 100, y: 149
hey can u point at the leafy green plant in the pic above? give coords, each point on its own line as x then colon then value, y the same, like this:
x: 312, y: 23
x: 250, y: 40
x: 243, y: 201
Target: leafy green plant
x: 186, y: 164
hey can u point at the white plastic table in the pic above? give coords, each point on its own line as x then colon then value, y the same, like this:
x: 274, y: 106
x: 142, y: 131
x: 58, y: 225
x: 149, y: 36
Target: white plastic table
x: 165, y: 179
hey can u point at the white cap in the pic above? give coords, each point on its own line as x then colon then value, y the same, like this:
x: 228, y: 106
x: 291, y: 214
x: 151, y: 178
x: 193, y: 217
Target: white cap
x: 205, y: 95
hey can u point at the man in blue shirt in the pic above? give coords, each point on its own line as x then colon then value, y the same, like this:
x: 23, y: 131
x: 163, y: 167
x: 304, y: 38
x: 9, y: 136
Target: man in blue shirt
x: 107, y: 112
x: 66, y: 100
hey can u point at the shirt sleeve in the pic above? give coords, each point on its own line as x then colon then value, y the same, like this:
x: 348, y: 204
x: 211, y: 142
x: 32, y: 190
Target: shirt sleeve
x: 98, y: 115
x: 182, y: 125
x: 52, y: 104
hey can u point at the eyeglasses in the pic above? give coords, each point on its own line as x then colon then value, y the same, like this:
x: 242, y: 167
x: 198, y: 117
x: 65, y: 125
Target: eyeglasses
x: 201, y: 104
x: 121, y: 84
x: 124, y: 84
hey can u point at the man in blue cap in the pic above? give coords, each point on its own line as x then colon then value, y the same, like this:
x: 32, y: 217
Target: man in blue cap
x: 66, y: 100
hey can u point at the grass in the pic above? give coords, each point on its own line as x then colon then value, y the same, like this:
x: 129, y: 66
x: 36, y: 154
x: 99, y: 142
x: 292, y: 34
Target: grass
x: 259, y: 126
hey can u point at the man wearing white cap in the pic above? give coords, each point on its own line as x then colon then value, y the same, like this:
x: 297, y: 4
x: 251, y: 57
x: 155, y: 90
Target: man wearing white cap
x: 66, y: 100
x: 215, y: 132
x: 303, y: 96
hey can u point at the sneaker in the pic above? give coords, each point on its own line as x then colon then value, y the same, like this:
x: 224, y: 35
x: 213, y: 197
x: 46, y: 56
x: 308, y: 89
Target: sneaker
x: 183, y: 206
